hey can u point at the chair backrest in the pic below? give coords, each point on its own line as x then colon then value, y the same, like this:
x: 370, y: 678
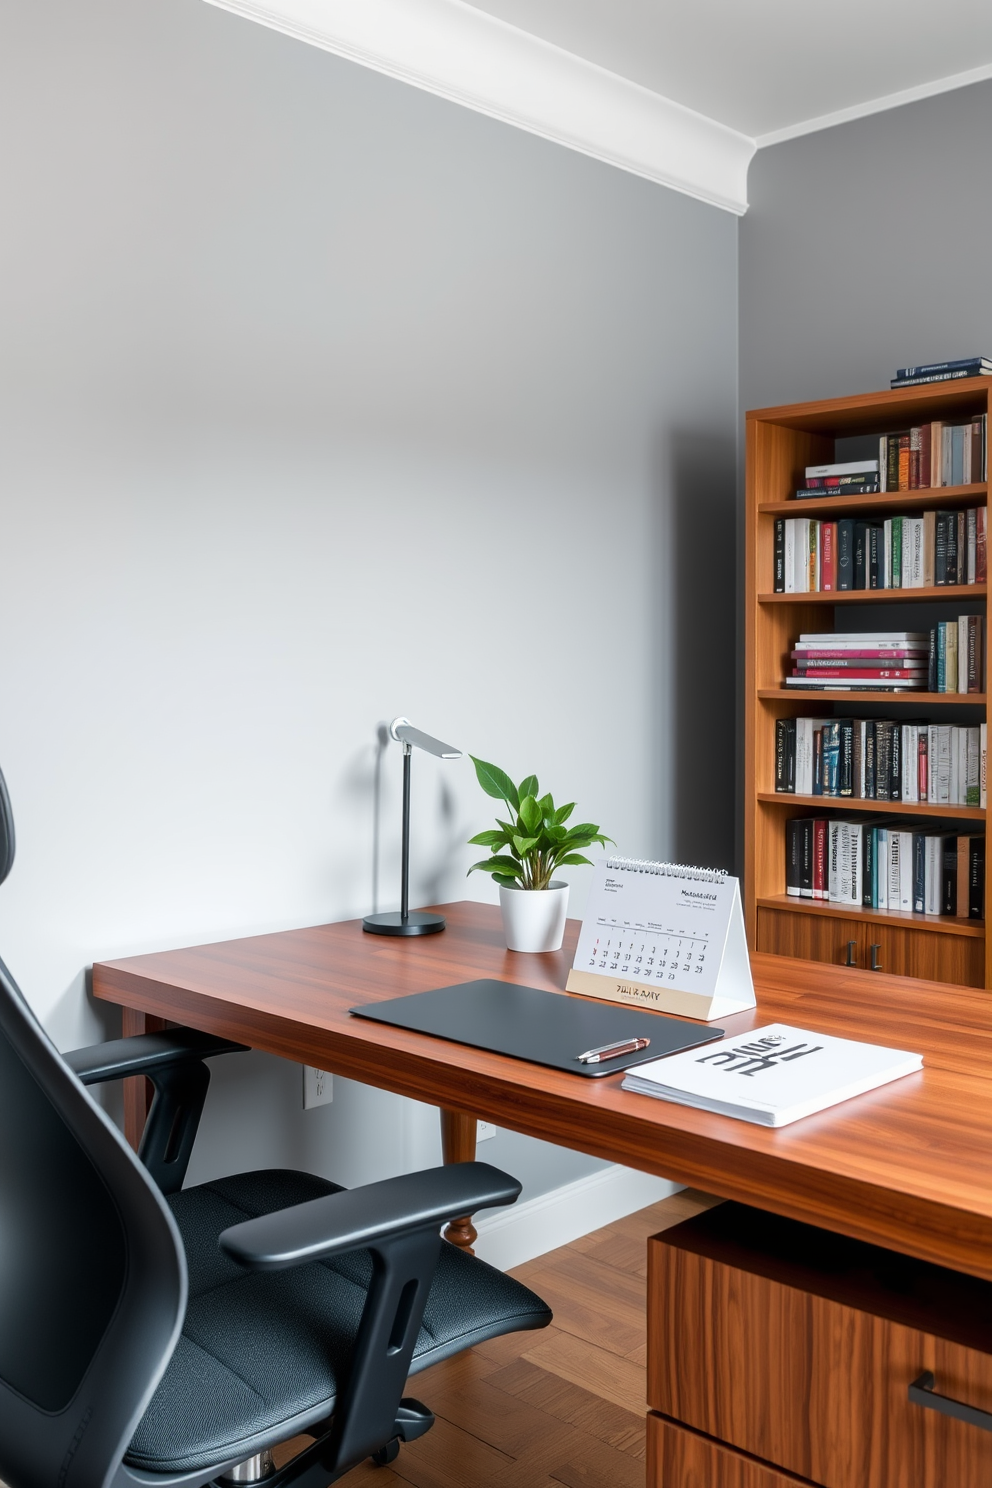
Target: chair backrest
x: 92, y: 1272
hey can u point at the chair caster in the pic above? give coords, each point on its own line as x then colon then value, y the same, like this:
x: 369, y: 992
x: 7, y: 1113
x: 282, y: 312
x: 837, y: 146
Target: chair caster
x: 386, y: 1454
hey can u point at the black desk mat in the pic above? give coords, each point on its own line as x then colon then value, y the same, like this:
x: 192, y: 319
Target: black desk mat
x: 549, y: 1028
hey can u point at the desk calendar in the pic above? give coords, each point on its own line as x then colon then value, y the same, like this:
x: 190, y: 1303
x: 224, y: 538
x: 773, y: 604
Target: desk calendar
x: 664, y: 936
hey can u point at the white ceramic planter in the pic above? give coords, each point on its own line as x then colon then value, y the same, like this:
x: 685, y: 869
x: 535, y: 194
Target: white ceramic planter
x: 534, y: 919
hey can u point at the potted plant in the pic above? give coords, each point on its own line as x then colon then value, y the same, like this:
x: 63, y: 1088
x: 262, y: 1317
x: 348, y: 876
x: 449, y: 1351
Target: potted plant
x: 526, y: 851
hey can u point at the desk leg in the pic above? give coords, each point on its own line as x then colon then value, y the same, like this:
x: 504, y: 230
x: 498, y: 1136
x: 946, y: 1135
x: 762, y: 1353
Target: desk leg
x: 458, y: 1145
x: 138, y: 1091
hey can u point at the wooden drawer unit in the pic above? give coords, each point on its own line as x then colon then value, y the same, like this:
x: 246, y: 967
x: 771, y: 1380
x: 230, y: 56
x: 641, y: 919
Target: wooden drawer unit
x: 679, y: 1458
x: 799, y: 1347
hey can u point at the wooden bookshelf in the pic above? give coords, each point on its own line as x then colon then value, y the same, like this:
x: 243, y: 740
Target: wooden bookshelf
x: 780, y: 443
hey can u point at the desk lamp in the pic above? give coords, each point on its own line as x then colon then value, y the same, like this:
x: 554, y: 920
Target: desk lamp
x: 417, y: 922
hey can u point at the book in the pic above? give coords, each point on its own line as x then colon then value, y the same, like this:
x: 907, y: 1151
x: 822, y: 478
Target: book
x: 845, y: 467
x: 932, y: 368
x: 772, y: 1075
x: 907, y: 382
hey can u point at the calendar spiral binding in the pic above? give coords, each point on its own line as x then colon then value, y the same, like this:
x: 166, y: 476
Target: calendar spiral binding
x: 668, y: 870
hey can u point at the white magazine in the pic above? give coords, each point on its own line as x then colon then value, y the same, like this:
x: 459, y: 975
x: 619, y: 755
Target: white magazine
x: 772, y: 1075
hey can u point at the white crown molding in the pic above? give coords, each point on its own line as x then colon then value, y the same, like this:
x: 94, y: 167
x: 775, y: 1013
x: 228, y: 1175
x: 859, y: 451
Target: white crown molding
x: 876, y: 105
x: 449, y: 48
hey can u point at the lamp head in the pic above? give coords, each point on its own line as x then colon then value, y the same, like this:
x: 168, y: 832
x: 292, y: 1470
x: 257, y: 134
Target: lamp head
x: 404, y: 733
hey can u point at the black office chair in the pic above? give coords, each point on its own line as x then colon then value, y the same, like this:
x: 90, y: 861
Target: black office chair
x: 151, y: 1335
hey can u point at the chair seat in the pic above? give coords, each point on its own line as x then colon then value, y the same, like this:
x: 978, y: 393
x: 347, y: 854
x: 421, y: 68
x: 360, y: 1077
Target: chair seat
x: 260, y: 1350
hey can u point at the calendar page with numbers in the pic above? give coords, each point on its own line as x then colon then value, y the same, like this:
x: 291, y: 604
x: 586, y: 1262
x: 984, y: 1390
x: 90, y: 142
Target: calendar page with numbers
x: 664, y: 936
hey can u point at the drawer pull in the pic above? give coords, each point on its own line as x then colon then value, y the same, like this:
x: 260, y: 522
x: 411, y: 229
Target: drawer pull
x: 921, y: 1392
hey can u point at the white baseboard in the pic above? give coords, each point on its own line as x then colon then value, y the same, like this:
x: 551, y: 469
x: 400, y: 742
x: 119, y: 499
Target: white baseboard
x: 538, y: 1225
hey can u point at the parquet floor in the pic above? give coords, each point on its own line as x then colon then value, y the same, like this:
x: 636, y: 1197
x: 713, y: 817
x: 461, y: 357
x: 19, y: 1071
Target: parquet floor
x: 560, y: 1406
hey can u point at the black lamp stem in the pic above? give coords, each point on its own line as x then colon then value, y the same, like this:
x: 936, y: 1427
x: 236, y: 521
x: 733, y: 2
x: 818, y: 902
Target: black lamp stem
x: 405, y: 879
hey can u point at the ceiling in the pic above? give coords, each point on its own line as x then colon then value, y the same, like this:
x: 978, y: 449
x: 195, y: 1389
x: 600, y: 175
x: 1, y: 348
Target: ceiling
x: 764, y: 66
x: 680, y: 93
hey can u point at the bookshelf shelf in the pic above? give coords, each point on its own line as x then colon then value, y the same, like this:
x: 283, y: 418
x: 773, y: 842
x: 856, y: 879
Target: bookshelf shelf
x: 781, y: 442
x: 878, y: 596
x: 939, y: 924
x: 837, y: 695
x: 845, y: 804
x: 932, y: 498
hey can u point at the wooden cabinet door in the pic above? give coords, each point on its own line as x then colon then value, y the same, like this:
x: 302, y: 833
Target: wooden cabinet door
x: 811, y: 937
x: 791, y: 1363
x: 681, y: 1459
x: 930, y: 954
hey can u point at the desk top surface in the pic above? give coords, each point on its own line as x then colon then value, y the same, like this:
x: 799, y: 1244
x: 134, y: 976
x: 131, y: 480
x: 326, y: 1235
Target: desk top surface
x: 908, y: 1166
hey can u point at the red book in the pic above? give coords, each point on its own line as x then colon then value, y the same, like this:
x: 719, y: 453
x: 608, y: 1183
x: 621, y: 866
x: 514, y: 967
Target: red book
x: 860, y: 674
x: 828, y: 555
x: 981, y: 545
x: 819, y: 859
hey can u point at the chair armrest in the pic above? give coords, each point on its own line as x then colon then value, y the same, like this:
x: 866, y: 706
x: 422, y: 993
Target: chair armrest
x: 364, y: 1218
x: 145, y: 1054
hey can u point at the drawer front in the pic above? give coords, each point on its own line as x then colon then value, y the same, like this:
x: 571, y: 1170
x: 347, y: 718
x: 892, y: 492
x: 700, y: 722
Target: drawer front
x: 809, y: 1384
x: 678, y: 1458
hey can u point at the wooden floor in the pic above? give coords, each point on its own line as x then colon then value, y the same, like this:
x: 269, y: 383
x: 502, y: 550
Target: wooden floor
x: 563, y: 1405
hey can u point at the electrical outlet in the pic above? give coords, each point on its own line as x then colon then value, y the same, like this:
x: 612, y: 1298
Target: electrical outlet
x: 318, y: 1087
x: 484, y: 1130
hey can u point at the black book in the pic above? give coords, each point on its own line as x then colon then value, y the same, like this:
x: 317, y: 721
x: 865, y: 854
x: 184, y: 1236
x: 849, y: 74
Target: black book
x: 818, y: 762
x: 782, y: 751
x: 870, y: 772
x: 845, y: 764
x: 940, y: 546
x: 867, y: 487
x: 876, y: 557
x: 883, y: 759
x: 806, y: 860
x: 976, y: 878
x: 932, y: 668
x: 793, y: 855
x: 845, y: 553
x: 949, y: 876
x: 895, y: 763
x: 919, y: 871
x: 953, y: 548
x: 779, y: 569
x: 861, y: 555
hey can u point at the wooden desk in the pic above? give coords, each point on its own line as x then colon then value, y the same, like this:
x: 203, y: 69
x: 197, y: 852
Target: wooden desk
x: 907, y: 1167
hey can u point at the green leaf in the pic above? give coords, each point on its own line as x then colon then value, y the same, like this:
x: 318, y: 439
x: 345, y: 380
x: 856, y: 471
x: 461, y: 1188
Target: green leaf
x: 583, y: 829
x: 528, y: 787
x: 564, y: 812
x: 524, y: 845
x: 489, y: 839
x: 546, y: 803
x: 571, y: 860
x: 497, y: 865
x: 530, y: 814
x: 555, y: 834
x: 495, y: 782
x: 506, y: 881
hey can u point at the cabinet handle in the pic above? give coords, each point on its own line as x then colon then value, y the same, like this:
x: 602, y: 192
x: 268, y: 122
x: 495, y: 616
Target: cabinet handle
x: 875, y: 965
x: 921, y: 1392
x: 852, y: 959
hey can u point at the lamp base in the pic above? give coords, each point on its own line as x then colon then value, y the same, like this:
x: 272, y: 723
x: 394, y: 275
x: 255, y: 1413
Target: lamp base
x: 393, y: 923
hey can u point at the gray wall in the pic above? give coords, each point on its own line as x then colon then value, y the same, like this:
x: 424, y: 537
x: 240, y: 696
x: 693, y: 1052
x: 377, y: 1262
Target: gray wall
x: 323, y: 400
x: 865, y: 248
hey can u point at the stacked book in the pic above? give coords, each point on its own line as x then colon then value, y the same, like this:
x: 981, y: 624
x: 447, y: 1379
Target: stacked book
x: 922, y: 550
x: 882, y: 865
x: 957, y: 655
x: 881, y: 759
x: 978, y: 366
x: 843, y: 478
x: 861, y: 661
